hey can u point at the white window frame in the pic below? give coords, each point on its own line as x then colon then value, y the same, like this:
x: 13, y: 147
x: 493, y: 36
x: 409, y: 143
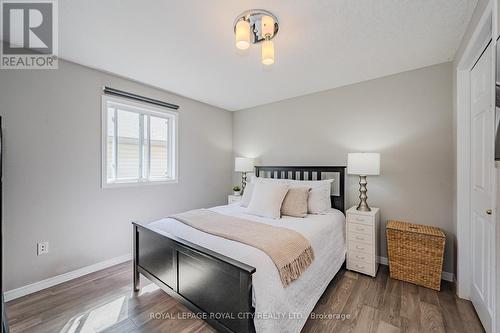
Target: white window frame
x: 141, y: 109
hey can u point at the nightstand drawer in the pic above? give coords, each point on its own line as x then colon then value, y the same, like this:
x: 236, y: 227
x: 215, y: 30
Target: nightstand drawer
x: 360, y: 228
x: 360, y: 256
x: 233, y: 198
x: 361, y: 247
x: 362, y: 233
x: 353, y: 218
x: 359, y: 266
x: 356, y: 237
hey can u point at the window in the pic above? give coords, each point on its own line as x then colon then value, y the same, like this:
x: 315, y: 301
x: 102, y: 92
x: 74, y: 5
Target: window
x: 139, y: 143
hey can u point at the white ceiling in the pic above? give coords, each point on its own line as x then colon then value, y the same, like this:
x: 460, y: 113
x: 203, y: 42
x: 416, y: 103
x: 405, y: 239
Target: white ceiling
x: 187, y: 46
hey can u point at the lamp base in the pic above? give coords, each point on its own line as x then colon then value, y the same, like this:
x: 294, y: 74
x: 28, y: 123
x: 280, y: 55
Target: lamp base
x: 243, y: 181
x: 363, y: 205
x: 363, y: 209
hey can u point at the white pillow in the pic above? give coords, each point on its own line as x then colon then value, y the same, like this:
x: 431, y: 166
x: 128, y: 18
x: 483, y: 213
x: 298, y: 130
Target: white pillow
x: 247, y: 195
x: 255, y: 179
x: 267, y: 199
x: 318, y: 202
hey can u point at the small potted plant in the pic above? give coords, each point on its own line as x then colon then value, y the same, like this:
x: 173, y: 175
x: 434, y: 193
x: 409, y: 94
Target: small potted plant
x: 236, y: 190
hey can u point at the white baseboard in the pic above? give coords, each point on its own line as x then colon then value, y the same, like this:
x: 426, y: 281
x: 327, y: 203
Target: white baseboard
x: 50, y: 282
x: 47, y: 283
x: 383, y: 261
x: 447, y: 276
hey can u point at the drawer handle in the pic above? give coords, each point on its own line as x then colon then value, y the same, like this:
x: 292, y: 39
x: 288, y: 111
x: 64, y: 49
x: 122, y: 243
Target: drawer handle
x: 360, y: 238
x: 360, y: 229
x: 360, y: 257
x: 359, y: 247
x: 359, y: 219
x: 359, y: 266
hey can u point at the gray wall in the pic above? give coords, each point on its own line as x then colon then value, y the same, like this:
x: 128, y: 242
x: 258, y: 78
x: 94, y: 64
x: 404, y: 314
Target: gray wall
x: 52, y: 170
x: 406, y: 117
x: 52, y: 158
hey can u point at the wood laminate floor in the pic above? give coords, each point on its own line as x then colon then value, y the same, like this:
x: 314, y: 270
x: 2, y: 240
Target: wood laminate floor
x: 104, y: 302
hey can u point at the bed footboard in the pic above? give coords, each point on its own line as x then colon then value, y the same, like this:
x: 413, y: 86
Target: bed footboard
x: 215, y: 287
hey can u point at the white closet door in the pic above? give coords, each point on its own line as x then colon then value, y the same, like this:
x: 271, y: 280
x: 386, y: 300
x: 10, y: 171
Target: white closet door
x: 482, y: 167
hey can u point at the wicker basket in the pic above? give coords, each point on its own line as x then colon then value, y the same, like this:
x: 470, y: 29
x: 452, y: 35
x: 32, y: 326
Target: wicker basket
x: 415, y: 253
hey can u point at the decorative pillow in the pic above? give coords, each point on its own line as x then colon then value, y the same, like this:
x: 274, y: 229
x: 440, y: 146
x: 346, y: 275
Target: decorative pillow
x: 247, y: 195
x: 267, y: 199
x: 318, y: 202
x: 295, y: 202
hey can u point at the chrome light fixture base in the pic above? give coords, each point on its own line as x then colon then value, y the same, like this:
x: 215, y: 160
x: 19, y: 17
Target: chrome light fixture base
x: 363, y: 205
x: 243, y: 181
x: 254, y: 18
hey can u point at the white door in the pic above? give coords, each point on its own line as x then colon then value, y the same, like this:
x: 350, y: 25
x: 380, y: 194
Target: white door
x: 482, y: 166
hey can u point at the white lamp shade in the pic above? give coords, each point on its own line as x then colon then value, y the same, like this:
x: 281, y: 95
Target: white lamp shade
x: 243, y: 164
x: 267, y: 52
x: 242, y: 35
x: 364, y: 164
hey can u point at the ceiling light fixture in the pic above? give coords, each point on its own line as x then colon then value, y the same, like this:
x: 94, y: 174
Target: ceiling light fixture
x: 255, y: 26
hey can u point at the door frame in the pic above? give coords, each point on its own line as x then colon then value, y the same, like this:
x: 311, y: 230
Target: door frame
x: 483, y: 33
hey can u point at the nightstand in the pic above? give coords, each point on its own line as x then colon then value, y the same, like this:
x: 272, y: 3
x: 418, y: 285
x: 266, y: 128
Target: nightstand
x: 362, y: 232
x: 233, y: 198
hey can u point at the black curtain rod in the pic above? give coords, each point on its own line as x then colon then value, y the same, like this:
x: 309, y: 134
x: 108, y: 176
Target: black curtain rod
x: 121, y: 93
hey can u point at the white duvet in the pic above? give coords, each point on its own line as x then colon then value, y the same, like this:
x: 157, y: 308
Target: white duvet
x: 278, y: 309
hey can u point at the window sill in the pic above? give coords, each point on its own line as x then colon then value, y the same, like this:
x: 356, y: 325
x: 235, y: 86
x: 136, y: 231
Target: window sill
x: 136, y: 184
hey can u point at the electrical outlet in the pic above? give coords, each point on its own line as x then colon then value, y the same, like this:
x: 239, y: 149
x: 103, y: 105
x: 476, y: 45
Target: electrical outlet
x: 42, y: 248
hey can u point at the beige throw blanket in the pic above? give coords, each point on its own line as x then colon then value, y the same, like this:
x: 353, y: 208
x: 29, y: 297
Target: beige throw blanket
x: 288, y: 249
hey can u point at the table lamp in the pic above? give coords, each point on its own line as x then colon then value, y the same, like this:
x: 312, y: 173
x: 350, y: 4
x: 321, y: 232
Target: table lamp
x: 243, y: 165
x: 363, y: 164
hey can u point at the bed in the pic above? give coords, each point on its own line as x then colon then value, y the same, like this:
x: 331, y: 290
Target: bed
x: 236, y: 287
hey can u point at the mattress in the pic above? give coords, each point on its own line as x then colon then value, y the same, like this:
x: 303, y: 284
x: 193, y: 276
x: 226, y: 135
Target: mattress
x: 277, y: 309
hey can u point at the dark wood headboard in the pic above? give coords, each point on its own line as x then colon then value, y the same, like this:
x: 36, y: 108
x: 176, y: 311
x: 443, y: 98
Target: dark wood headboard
x: 309, y: 173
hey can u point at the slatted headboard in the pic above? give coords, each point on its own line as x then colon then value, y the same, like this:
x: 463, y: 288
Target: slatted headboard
x: 310, y: 173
